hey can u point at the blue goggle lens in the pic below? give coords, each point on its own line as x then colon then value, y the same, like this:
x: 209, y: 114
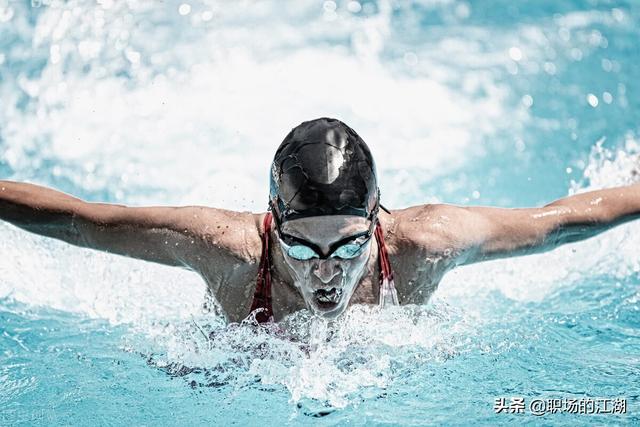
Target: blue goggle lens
x: 347, y: 251
x: 304, y: 253
x: 301, y: 252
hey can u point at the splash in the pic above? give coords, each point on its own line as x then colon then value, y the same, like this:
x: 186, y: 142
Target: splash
x: 331, y: 364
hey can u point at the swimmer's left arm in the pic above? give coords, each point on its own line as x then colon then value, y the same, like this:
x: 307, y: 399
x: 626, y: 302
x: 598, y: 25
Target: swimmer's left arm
x: 490, y: 233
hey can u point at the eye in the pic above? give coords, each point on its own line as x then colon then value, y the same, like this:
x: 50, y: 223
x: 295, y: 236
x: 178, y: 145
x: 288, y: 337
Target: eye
x: 301, y: 252
x: 347, y: 251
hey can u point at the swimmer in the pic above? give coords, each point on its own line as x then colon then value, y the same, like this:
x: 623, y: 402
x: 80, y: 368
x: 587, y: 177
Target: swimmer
x: 326, y: 241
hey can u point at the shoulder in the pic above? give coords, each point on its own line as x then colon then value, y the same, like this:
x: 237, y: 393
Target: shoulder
x: 434, y: 228
x: 231, y: 233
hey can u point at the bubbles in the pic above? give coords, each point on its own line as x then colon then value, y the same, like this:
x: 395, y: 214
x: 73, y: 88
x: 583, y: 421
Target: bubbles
x: 592, y: 100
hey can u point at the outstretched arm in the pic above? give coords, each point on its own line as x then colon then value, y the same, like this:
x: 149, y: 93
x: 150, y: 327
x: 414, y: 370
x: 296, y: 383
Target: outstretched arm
x: 483, y: 233
x: 166, y: 235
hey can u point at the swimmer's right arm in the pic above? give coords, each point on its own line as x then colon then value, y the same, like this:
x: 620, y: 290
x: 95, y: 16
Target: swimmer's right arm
x: 177, y: 236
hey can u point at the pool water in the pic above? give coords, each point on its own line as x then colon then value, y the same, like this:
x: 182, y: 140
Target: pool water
x: 494, y: 103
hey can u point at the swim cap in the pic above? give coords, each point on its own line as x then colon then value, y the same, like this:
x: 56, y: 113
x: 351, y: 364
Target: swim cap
x: 323, y: 167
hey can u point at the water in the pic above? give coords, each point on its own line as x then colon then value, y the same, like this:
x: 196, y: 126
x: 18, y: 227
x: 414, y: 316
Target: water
x: 140, y: 103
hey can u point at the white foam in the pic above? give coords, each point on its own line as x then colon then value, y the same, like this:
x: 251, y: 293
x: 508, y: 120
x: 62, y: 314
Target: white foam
x: 201, y: 117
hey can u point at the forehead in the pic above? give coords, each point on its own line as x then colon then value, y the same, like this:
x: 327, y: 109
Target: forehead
x: 325, y: 228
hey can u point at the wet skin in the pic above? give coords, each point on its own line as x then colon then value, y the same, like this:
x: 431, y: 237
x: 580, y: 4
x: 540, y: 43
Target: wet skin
x: 325, y: 284
x: 224, y: 247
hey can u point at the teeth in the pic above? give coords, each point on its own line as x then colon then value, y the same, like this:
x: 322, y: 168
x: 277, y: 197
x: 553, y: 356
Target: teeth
x: 329, y: 295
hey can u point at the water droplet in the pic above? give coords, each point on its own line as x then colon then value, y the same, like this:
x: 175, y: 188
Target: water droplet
x: 607, y: 97
x: 329, y: 6
x: 515, y: 53
x: 132, y: 56
x: 576, y: 54
x: 549, y: 68
x: 410, y: 58
x: 592, y: 100
x: 617, y: 14
x: 463, y: 11
x: 106, y: 4
x: 54, y: 52
x: 184, y: 9
x: 354, y: 7
x: 207, y: 15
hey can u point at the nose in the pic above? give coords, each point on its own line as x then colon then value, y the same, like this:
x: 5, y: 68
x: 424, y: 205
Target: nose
x: 326, y: 270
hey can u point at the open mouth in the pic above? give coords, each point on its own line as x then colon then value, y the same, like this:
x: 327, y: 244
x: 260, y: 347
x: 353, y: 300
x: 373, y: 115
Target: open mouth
x: 328, y: 298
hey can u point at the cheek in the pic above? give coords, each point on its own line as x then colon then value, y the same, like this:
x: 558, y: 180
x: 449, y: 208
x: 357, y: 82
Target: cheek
x: 355, y: 267
x: 361, y: 259
x: 301, y: 269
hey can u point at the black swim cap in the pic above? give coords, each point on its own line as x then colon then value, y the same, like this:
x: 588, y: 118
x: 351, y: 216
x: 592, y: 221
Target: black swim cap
x: 323, y: 168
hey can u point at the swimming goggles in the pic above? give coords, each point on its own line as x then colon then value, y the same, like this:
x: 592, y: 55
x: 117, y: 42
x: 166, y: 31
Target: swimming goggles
x: 347, y: 248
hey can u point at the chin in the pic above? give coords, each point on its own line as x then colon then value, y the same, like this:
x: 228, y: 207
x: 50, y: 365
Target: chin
x: 329, y: 314
x: 328, y: 309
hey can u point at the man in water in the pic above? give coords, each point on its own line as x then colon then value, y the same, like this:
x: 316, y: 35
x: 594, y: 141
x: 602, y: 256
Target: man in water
x: 326, y: 241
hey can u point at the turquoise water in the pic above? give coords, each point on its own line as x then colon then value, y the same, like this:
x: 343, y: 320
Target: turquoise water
x: 499, y: 103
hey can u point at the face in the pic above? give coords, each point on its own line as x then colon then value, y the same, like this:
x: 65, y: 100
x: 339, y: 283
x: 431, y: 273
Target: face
x: 327, y: 281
